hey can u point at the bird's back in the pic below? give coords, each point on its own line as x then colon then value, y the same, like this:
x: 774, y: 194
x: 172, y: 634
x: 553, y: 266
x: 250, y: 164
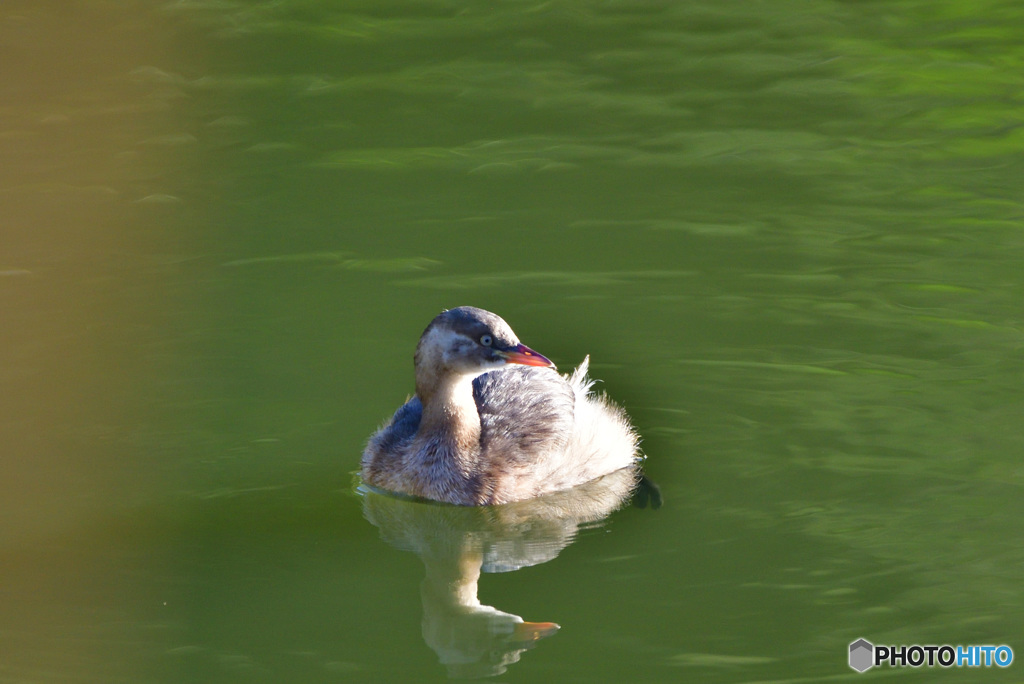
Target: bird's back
x: 523, y: 412
x: 530, y: 437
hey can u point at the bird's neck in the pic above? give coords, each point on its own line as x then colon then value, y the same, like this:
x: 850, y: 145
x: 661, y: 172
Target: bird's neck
x: 449, y: 410
x: 452, y: 579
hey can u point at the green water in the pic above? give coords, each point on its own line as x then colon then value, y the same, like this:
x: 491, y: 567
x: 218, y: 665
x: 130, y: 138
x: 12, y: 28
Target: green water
x: 789, y: 235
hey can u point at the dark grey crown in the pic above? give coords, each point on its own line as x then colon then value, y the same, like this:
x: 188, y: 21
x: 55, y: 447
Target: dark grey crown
x: 474, y: 323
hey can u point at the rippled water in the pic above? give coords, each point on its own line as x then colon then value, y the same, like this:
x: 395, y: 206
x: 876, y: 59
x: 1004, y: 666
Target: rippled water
x: 788, y: 234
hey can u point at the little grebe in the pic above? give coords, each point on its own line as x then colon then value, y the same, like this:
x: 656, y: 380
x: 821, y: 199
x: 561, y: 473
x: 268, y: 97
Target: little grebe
x: 493, y: 422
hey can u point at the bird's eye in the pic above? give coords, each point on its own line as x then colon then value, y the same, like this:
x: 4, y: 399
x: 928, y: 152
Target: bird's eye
x: 485, y: 340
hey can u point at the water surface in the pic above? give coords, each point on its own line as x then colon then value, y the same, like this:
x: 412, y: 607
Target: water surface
x: 788, y: 234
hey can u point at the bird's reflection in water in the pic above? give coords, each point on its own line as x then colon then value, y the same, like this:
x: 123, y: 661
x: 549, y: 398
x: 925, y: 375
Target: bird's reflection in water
x: 457, y: 543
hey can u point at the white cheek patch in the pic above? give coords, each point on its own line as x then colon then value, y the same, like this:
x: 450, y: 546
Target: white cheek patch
x: 441, y: 341
x: 448, y: 345
x: 458, y: 345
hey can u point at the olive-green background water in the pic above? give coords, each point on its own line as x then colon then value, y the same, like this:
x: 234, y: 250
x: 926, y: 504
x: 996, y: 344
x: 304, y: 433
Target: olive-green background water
x: 788, y: 233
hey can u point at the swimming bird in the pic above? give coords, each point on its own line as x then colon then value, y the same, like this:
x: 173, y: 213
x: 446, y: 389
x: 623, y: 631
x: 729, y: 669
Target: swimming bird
x: 492, y: 421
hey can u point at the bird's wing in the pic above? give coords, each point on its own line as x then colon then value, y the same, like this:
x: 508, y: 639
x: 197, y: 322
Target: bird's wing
x: 402, y: 427
x: 524, y: 411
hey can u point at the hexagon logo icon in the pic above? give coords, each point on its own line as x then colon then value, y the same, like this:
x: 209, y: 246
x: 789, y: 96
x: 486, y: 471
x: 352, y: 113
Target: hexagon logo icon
x: 862, y: 654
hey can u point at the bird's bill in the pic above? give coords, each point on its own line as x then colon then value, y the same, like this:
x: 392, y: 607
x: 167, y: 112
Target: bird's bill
x: 525, y: 632
x: 524, y: 355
